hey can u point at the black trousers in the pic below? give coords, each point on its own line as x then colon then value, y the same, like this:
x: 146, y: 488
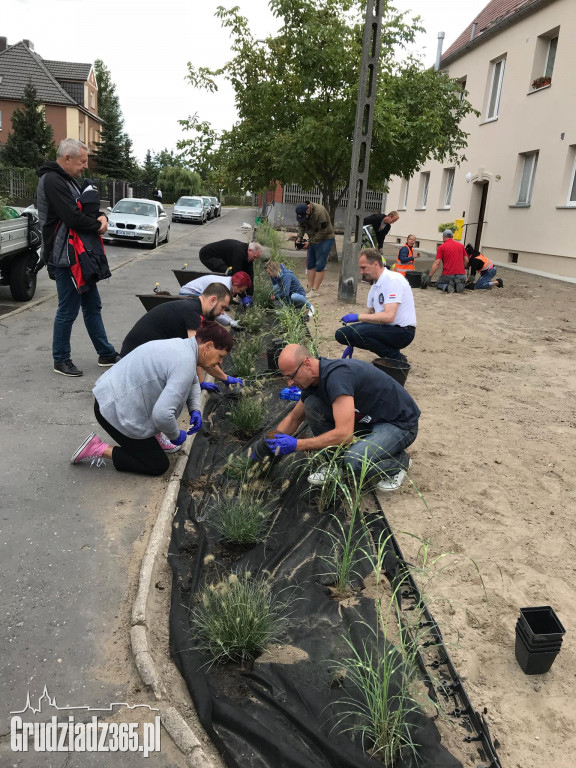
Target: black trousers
x: 144, y: 457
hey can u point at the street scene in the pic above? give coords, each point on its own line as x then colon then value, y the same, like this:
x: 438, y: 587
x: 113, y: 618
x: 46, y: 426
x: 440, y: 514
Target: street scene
x: 288, y: 388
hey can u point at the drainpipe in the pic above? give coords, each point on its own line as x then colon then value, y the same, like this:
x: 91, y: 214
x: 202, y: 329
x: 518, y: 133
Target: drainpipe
x: 439, y: 51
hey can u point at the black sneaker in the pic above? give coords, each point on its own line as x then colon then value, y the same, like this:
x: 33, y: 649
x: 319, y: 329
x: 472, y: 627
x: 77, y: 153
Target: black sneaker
x: 105, y: 361
x: 67, y: 368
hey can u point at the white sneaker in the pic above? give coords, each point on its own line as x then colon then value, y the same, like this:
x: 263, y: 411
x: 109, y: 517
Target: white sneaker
x: 393, y: 483
x: 165, y: 444
x: 311, y: 311
x: 320, y: 477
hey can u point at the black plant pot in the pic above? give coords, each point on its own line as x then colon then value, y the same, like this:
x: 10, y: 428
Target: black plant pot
x: 541, y: 624
x: 533, y: 662
x: 185, y: 275
x: 414, y: 278
x: 273, y: 353
x: 398, y: 369
x: 260, y: 449
x: 151, y: 300
x: 554, y: 645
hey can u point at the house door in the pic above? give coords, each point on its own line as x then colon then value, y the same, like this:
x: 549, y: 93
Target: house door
x: 481, y: 213
x: 477, y: 210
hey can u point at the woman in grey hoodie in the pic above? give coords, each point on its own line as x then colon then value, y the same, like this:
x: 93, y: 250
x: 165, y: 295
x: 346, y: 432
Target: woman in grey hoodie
x: 144, y: 393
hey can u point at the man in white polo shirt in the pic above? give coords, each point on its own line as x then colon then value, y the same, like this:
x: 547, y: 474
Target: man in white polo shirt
x: 389, y: 325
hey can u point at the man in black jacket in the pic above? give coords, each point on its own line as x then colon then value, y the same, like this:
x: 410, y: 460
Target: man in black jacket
x: 231, y: 254
x: 381, y: 223
x: 58, y: 192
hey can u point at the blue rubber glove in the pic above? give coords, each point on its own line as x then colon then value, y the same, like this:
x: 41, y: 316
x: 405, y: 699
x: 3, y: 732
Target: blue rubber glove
x: 247, y: 301
x: 195, y: 422
x: 233, y: 380
x: 281, y: 444
x: 180, y: 439
x: 348, y: 352
x: 351, y: 318
x: 209, y: 386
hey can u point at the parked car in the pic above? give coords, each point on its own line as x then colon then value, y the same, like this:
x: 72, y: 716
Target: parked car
x: 209, y: 207
x: 189, y: 209
x: 217, y: 206
x: 20, y: 238
x: 136, y: 220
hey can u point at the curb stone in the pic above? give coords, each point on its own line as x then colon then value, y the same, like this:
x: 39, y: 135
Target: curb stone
x: 178, y: 729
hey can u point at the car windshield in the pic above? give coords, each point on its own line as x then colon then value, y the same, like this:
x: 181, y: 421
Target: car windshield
x: 187, y: 203
x: 214, y: 201
x: 137, y: 209
x: 207, y: 200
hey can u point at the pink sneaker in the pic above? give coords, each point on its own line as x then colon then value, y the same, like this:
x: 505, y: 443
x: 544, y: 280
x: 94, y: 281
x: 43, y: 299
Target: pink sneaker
x: 91, y: 450
x: 165, y: 444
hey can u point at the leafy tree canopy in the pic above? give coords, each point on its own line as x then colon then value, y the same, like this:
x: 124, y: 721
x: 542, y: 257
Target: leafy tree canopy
x: 175, y: 182
x: 32, y: 140
x: 296, y: 98
x: 114, y: 154
x: 197, y: 151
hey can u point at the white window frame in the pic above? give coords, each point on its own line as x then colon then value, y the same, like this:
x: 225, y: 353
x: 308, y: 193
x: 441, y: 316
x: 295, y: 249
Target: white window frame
x: 449, y: 186
x: 495, y: 88
x: 404, y: 194
x: 552, y: 39
x: 529, y: 186
x: 425, y: 181
x: 571, y: 201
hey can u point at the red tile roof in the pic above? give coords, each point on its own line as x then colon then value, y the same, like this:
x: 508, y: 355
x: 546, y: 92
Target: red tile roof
x: 488, y: 19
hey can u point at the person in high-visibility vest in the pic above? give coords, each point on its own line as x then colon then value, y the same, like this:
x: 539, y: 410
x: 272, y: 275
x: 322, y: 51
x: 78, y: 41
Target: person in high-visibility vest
x: 406, y: 256
x: 480, y: 263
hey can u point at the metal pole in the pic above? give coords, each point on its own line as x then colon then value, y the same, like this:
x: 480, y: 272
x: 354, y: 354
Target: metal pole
x: 361, y: 146
x: 439, y: 51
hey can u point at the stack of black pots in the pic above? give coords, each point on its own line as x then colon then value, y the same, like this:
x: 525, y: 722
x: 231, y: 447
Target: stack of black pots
x: 539, y: 636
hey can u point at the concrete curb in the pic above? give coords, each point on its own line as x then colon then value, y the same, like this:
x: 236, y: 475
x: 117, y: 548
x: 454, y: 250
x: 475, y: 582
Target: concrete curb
x: 180, y: 732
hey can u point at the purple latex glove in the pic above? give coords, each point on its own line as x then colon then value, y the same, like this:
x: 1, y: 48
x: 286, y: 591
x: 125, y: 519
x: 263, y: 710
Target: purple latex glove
x: 209, y: 386
x: 282, y: 444
x: 195, y: 422
x: 180, y: 439
x: 247, y: 301
x: 348, y: 352
x: 230, y: 380
x: 350, y: 318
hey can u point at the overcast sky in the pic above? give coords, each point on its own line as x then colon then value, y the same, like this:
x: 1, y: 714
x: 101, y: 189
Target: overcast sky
x: 146, y: 44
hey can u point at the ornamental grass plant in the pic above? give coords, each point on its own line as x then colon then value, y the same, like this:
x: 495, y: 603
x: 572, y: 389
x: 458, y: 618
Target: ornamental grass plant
x: 237, y: 618
x: 248, y: 413
x: 244, y: 356
x: 242, y: 517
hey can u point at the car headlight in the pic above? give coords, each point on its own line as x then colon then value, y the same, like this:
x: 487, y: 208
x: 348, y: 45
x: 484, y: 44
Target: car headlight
x: 147, y: 227
x: 111, y: 224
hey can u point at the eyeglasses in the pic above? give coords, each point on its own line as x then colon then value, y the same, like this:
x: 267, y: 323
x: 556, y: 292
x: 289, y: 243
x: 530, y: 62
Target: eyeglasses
x: 292, y: 376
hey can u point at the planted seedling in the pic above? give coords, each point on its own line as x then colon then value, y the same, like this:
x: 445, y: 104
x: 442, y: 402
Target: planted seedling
x: 252, y: 320
x: 248, y: 413
x: 244, y: 356
x: 237, y: 618
x: 242, y: 518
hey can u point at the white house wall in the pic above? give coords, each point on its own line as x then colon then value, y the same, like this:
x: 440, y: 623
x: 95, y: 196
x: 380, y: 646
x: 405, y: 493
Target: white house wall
x: 543, y: 233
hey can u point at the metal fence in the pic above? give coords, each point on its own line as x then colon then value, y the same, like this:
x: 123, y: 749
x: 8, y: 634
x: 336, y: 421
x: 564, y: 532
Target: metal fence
x: 294, y: 194
x: 18, y: 185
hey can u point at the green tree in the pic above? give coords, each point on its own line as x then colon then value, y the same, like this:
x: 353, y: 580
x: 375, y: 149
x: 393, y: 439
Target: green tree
x: 198, y: 150
x: 167, y: 159
x: 32, y: 139
x: 175, y: 182
x: 296, y: 99
x: 114, y: 153
x: 150, y: 170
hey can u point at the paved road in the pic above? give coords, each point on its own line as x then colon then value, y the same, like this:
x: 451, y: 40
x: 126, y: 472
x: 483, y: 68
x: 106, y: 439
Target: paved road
x: 70, y: 534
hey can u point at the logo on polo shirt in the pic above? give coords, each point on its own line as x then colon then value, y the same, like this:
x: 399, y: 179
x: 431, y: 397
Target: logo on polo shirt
x: 381, y: 298
x: 392, y: 295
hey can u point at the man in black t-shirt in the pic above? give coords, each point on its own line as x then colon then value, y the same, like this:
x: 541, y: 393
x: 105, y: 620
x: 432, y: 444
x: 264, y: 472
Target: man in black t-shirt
x: 231, y: 254
x: 177, y: 319
x: 381, y: 223
x: 339, y: 397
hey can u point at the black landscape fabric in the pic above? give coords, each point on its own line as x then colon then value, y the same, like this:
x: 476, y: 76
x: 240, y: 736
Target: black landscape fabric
x: 283, y: 712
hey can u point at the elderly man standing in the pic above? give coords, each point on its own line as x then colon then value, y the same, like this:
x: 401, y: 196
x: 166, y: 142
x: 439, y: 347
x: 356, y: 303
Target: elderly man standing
x: 381, y: 223
x: 233, y: 255
x: 389, y: 324
x: 338, y: 397
x: 314, y: 221
x: 454, y: 262
x: 58, y: 210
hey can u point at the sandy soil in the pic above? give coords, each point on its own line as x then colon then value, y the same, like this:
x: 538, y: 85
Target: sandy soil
x: 494, y: 373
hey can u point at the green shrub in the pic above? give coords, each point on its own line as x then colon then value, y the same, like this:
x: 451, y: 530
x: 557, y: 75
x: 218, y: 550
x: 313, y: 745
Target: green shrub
x: 236, y: 619
x: 248, y: 413
x: 244, y: 356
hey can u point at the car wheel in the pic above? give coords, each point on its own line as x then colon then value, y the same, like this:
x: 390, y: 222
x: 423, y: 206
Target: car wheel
x: 167, y: 235
x: 155, y: 243
x: 22, y: 279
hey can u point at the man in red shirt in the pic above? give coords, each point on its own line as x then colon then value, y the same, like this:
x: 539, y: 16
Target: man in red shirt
x: 454, y: 262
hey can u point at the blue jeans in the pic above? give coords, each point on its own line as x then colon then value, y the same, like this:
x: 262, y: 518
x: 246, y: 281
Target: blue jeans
x: 318, y: 254
x: 485, y: 278
x: 383, y: 340
x: 69, y: 303
x: 383, y: 447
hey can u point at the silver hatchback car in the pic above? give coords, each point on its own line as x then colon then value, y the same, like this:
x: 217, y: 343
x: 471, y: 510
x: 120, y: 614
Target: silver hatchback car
x: 189, y: 209
x: 135, y: 220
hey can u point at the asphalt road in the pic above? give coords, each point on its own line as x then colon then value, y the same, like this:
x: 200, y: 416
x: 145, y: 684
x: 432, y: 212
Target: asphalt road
x: 70, y: 534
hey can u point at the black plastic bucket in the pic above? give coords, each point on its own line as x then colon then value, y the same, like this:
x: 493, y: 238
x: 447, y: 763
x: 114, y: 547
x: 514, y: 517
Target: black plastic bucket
x: 414, y: 278
x: 398, y: 369
x: 186, y: 275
